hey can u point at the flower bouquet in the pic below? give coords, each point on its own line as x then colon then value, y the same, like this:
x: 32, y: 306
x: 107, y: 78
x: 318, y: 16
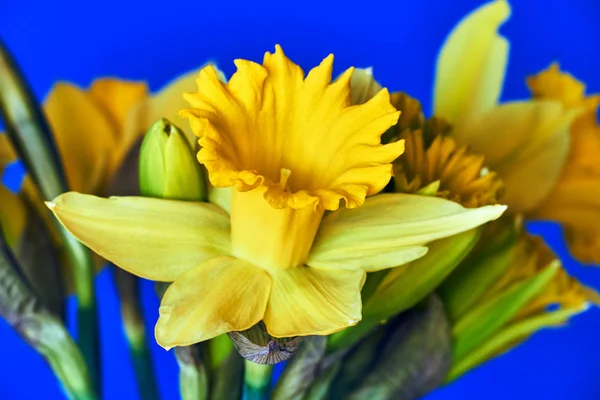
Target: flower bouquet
x: 318, y: 226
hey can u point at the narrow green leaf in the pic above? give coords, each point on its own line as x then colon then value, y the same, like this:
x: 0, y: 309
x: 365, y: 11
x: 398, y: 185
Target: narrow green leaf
x: 39, y: 259
x: 487, y: 318
x: 508, y: 338
x: 404, y: 286
x: 416, y: 358
x: 226, y: 379
x: 358, y: 363
x: 469, y: 282
x: 300, y: 371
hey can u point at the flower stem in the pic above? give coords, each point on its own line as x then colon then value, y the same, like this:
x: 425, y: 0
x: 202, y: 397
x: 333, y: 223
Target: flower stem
x: 87, y: 324
x: 135, y: 333
x: 193, y: 376
x: 30, y: 135
x: 68, y: 365
x: 257, y: 380
x: 26, y: 314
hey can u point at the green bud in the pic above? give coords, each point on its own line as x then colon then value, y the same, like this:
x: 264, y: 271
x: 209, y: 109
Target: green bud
x: 168, y: 167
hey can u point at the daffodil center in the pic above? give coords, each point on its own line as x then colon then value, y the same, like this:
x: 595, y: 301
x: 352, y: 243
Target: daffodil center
x: 268, y: 237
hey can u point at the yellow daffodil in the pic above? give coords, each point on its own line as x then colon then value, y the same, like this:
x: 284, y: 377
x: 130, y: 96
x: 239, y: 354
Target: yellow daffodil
x: 94, y: 129
x: 292, y: 148
x: 434, y: 162
x: 573, y: 201
x: 525, y: 142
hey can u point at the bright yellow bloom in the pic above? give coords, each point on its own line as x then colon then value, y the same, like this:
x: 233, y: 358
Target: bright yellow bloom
x: 525, y: 142
x: 434, y: 164
x: 574, y: 200
x: 292, y: 148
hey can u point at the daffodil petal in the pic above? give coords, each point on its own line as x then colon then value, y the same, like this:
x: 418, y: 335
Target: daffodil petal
x: 526, y: 143
x: 84, y: 134
x: 261, y: 129
x: 372, y: 259
x: 387, y: 222
x: 222, y: 295
x: 12, y: 216
x: 167, y: 102
x: 7, y: 153
x: 153, y: 238
x: 309, y: 301
x: 471, y: 65
x: 119, y: 99
x: 575, y: 203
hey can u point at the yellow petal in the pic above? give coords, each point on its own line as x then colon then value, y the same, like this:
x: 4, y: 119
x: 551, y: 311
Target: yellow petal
x: 526, y: 143
x: 372, y: 259
x: 117, y: 96
x: 167, y: 102
x: 389, y: 221
x: 118, y: 99
x: 222, y: 295
x: 552, y: 84
x: 84, y: 134
x: 575, y: 203
x: 471, y: 65
x: 153, y: 238
x: 12, y: 216
x: 265, y: 126
x: 308, y: 301
x: 7, y: 153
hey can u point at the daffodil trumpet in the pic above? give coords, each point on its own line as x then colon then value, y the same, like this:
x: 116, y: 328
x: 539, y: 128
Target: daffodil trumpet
x: 291, y: 148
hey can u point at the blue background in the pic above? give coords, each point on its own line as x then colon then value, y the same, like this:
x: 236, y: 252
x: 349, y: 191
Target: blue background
x: 80, y: 40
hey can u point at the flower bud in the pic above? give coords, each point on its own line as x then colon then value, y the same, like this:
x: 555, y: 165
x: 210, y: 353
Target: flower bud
x: 168, y: 167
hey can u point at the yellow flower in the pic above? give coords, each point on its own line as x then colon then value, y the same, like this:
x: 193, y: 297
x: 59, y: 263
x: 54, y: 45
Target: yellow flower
x: 525, y: 142
x: 433, y: 163
x: 292, y: 148
x: 573, y: 201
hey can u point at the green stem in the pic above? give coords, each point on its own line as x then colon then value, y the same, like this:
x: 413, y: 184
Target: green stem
x: 257, y: 380
x: 30, y: 134
x: 135, y: 333
x: 193, y: 376
x: 87, y: 324
x: 67, y: 363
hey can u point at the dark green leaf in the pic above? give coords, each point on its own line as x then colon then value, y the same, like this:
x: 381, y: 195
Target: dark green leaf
x: 416, y: 358
x: 301, y: 369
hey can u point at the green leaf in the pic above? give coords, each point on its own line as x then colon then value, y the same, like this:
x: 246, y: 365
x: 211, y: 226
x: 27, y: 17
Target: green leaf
x: 494, y: 254
x: 300, y: 372
x: 405, y: 286
x: 416, y: 358
x: 509, y: 337
x: 357, y: 363
x: 39, y: 260
x: 487, y: 318
x: 226, y: 379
